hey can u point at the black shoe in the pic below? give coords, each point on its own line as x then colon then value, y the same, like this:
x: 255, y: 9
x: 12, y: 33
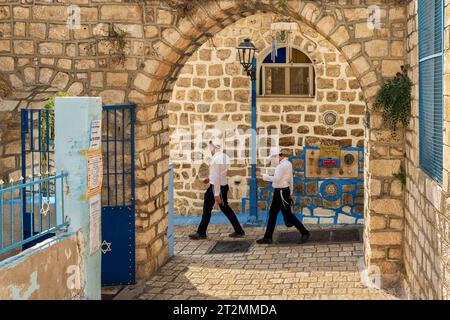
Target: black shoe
x: 304, y: 238
x: 264, y: 241
x: 237, y: 235
x: 197, y: 236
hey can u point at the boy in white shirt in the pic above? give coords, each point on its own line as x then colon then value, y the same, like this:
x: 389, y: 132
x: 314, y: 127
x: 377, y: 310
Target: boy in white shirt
x: 217, y: 193
x: 283, y: 187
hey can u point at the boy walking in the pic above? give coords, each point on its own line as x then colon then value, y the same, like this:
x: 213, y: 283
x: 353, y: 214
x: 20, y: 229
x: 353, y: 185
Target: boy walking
x: 217, y: 193
x: 283, y: 185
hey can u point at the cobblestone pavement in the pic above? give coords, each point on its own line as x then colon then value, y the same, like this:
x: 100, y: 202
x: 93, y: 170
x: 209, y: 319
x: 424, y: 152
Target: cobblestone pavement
x: 310, y: 271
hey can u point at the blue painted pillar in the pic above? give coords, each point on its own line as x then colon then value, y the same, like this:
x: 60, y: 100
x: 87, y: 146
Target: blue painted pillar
x: 73, y: 119
x: 171, y: 213
x: 253, y: 219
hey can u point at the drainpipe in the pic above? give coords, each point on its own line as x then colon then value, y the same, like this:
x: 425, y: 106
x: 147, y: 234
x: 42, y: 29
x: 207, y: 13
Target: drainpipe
x: 253, y: 218
x: 171, y: 211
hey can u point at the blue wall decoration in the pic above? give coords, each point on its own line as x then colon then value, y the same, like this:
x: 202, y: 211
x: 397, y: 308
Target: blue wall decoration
x: 334, y: 200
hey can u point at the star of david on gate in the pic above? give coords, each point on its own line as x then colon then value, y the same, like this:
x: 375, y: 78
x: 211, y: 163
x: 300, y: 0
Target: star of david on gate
x: 105, y: 247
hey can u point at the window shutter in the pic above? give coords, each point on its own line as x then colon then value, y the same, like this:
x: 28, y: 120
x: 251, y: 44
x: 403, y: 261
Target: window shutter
x: 431, y: 87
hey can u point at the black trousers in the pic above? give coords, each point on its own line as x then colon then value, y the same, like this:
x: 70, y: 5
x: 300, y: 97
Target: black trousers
x: 208, y: 205
x: 279, y: 204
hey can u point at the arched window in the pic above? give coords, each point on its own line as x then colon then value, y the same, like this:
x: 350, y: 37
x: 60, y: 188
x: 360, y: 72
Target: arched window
x: 291, y: 74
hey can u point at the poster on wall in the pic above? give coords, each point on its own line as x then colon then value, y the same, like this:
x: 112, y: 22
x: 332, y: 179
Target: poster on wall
x: 94, y: 172
x: 96, y: 135
x: 94, y: 223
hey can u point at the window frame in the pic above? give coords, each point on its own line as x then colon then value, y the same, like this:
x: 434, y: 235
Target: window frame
x: 262, y: 72
x: 433, y: 171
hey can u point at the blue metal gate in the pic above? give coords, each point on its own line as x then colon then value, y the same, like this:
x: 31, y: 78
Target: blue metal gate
x: 118, y: 207
x: 37, y: 142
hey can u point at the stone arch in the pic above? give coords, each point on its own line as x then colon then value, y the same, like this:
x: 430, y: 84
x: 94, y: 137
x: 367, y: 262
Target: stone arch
x: 162, y: 41
x: 207, y: 17
x: 330, y: 20
x: 213, y: 91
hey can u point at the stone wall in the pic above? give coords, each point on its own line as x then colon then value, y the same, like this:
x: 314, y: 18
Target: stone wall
x: 427, y: 211
x: 52, y: 270
x: 40, y: 55
x: 213, y: 92
x: 38, y: 50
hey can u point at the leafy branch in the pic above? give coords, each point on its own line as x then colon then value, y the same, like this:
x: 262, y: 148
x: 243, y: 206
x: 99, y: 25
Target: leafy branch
x: 282, y: 4
x: 394, y: 100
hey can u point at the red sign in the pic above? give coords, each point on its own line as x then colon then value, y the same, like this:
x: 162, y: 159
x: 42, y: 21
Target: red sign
x: 329, y: 163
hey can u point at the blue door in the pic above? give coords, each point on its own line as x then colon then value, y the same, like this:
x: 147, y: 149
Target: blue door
x: 118, y: 246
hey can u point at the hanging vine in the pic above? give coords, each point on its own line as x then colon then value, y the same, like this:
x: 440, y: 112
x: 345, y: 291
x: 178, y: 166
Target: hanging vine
x: 118, y: 43
x: 394, y: 100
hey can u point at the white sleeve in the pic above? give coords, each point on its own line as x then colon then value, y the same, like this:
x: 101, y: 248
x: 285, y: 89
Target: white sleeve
x: 215, y: 169
x: 275, y: 178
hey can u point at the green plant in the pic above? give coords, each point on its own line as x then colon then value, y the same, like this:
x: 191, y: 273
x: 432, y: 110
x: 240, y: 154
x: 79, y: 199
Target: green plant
x: 282, y: 4
x: 394, y: 100
x: 117, y: 39
x: 183, y: 7
x: 401, y: 175
x: 47, y: 130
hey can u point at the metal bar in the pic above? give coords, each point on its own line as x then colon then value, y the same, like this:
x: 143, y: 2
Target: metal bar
x: 123, y: 158
x: 40, y: 207
x: 171, y: 210
x: 47, y: 142
x: 2, y: 222
x: 11, y: 206
x: 32, y: 211
x: 119, y: 107
x: 27, y: 184
x: 115, y: 156
x: 132, y: 111
x: 21, y: 210
x: 48, y: 205
x: 55, y: 214
x: 253, y: 220
x: 24, y: 131
x: 37, y: 236
x: 31, y: 131
x: 32, y: 148
x: 107, y: 154
x: 39, y: 143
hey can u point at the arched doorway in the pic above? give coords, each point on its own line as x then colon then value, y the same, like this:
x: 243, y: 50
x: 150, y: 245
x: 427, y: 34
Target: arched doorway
x: 200, y: 24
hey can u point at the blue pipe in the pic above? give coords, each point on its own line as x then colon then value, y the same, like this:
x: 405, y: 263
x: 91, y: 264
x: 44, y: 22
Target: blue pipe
x: 253, y: 217
x: 170, y: 234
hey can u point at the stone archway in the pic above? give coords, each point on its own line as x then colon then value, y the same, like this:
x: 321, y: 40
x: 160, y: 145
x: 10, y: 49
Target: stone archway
x: 161, y: 41
x: 348, y: 31
x: 212, y: 93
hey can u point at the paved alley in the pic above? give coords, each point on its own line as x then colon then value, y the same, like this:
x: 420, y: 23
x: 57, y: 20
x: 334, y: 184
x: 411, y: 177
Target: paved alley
x: 311, y: 271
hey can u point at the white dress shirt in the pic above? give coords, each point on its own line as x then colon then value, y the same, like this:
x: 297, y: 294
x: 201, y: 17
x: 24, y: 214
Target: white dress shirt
x: 218, y: 170
x: 283, y: 176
